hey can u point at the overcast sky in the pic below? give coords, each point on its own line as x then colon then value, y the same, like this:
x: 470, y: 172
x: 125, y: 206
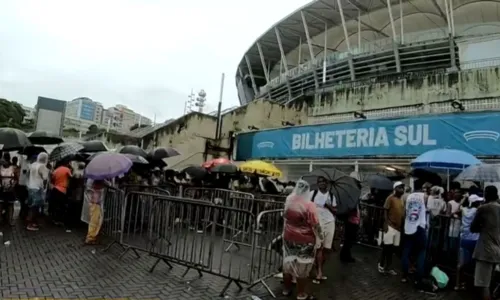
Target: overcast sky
x: 145, y: 54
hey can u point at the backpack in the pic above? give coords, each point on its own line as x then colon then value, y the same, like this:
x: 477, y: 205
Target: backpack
x: 315, y: 192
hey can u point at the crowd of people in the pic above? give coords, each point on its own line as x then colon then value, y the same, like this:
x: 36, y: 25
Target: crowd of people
x: 470, y: 221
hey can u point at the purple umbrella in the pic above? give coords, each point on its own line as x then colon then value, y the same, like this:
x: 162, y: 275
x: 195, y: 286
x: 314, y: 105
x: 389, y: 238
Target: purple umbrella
x: 107, y: 165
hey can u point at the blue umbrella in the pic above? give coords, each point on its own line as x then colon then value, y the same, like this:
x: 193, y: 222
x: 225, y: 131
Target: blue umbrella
x: 447, y: 159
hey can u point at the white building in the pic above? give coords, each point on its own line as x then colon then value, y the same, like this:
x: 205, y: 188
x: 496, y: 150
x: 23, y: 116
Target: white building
x: 29, y: 113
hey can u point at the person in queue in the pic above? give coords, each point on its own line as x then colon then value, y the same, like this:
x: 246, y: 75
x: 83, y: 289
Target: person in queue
x: 468, y: 239
x: 22, y: 187
x: 8, y: 184
x: 58, y: 194
x: 94, y: 197
x: 414, y: 228
x: 326, y: 206
x: 37, y: 177
x: 487, y: 251
x: 302, y: 236
x: 393, y: 221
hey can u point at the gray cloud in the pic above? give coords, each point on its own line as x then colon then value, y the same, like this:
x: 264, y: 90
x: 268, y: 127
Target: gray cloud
x: 145, y: 54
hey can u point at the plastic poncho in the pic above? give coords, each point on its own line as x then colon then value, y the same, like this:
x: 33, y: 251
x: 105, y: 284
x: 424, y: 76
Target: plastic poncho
x: 300, y: 238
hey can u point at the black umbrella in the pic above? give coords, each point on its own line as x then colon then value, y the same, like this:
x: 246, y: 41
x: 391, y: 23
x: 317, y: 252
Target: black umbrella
x: 136, y: 159
x: 64, y: 151
x: 13, y: 139
x: 224, y: 168
x: 93, y: 147
x: 427, y: 176
x: 195, y: 172
x: 161, y: 153
x: 32, y: 150
x: 379, y: 182
x: 44, y: 138
x: 131, y: 149
x: 346, y: 189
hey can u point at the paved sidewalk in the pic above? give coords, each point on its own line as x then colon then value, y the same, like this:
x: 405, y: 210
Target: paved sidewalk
x: 55, y: 264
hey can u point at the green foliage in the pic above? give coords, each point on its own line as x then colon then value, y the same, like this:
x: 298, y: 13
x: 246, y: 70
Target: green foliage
x: 11, y: 114
x: 93, y: 129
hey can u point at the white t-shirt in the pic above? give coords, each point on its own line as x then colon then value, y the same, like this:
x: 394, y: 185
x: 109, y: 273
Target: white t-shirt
x: 8, y: 177
x: 37, y: 174
x: 415, y: 212
x: 23, y: 173
x: 436, y: 205
x: 325, y: 216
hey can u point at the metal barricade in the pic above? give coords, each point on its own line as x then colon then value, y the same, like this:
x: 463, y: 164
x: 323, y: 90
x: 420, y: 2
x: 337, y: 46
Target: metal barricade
x: 112, y: 214
x: 227, y: 198
x: 443, y: 242
x: 243, y: 236
x: 267, y: 247
x: 175, y: 230
x: 371, y: 221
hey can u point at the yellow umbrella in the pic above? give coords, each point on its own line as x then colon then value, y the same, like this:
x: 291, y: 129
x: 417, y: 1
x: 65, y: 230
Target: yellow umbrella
x: 261, y: 168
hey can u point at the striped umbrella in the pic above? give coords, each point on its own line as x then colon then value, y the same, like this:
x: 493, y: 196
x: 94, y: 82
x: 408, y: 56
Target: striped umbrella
x: 64, y: 150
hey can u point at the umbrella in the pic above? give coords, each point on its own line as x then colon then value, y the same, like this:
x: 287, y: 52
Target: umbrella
x: 31, y: 150
x: 346, y: 189
x: 224, y: 168
x: 94, y: 146
x: 195, y: 172
x: 108, y: 165
x: 44, y: 138
x: 448, y: 159
x: 161, y: 153
x: 481, y: 172
x: 379, y: 182
x: 214, y: 162
x: 13, y: 139
x: 427, y: 176
x: 131, y: 149
x: 260, y: 167
x: 64, y: 150
x: 136, y: 159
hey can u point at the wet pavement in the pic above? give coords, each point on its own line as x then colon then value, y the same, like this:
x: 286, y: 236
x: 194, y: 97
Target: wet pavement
x: 52, y: 263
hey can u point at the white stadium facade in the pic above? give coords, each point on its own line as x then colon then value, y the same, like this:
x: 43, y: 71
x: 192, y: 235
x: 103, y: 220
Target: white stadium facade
x: 359, y: 61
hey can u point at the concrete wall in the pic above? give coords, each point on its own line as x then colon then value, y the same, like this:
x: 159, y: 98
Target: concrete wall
x: 469, y: 84
x: 186, y: 133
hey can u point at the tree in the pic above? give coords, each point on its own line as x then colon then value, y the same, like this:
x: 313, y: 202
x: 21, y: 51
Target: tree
x: 135, y: 126
x: 11, y: 114
x: 93, y: 129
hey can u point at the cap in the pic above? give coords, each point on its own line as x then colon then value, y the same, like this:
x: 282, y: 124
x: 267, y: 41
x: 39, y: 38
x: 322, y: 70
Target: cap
x: 475, y: 198
x: 397, y: 183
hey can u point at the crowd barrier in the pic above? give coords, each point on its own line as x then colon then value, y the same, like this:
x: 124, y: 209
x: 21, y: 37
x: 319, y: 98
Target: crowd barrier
x: 199, y: 230
x: 194, y: 233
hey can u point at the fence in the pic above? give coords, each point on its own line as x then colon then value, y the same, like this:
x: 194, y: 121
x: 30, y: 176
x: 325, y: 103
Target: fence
x: 194, y: 234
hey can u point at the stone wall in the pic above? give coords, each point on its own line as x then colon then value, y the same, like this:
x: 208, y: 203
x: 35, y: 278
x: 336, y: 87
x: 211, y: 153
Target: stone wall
x: 187, y: 134
x: 412, y: 90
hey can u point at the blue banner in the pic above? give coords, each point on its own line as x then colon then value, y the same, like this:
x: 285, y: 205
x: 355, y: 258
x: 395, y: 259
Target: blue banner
x: 475, y: 133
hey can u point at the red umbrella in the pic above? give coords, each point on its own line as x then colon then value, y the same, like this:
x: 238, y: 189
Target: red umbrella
x: 215, y: 162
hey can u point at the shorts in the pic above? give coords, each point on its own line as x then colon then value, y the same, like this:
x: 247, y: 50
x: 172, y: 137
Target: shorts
x: 483, y: 273
x: 328, y: 234
x: 35, y: 197
x: 392, y: 237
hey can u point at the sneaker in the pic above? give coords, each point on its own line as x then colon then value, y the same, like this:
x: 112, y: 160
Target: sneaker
x: 381, y: 270
x: 32, y: 228
x: 392, y: 272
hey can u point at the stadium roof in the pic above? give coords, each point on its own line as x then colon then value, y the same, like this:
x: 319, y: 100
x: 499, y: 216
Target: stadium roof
x: 374, y: 23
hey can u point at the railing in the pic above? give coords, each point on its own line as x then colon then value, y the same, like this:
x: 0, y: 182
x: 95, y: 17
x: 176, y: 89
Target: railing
x: 199, y: 232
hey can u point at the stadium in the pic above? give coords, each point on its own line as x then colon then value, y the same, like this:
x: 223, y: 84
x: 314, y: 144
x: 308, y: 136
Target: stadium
x: 425, y: 71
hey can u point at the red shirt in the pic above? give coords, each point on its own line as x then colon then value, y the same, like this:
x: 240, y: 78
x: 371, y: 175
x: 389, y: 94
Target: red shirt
x: 300, y: 219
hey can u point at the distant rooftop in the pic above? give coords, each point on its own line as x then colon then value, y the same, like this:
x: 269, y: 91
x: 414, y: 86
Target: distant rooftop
x: 224, y: 111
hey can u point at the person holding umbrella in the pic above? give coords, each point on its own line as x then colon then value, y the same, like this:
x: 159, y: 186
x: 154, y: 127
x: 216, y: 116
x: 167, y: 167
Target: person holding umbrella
x: 325, y: 203
x: 102, y: 168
